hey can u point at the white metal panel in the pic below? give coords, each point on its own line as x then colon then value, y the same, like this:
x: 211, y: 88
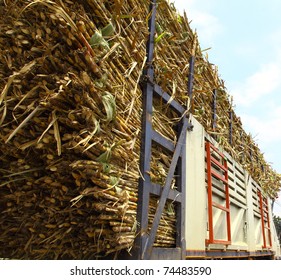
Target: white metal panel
x: 274, y: 236
x: 251, y: 235
x: 245, y: 213
x: 238, y: 204
x: 257, y: 216
x: 275, y: 240
x: 196, y: 191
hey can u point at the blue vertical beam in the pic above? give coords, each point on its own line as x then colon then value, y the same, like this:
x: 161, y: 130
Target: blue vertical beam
x: 190, y: 81
x: 214, y: 110
x: 251, y: 157
x: 144, y: 243
x: 230, y: 127
x: 181, y: 187
x: 243, y: 155
x: 145, y: 155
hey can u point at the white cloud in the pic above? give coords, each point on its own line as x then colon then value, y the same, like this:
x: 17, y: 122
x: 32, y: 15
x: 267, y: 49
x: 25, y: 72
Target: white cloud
x: 265, y: 128
x: 206, y: 24
x: 259, y: 84
x: 208, y: 27
x: 266, y: 80
x: 274, y: 41
x: 258, y: 101
x: 246, y: 50
x: 277, y: 206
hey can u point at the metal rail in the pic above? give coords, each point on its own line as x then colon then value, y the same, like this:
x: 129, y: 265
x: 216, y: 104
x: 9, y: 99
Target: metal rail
x: 214, y: 108
x: 144, y: 248
x: 230, y: 127
x: 265, y: 221
x: 221, y: 175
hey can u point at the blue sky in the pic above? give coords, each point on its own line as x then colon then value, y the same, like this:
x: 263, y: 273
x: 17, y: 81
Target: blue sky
x: 245, y: 41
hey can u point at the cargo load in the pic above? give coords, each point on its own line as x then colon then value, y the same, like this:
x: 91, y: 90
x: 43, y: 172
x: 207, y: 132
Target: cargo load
x: 73, y: 76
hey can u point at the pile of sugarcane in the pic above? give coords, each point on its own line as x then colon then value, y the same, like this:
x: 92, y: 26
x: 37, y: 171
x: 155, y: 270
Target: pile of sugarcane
x: 70, y: 129
x: 70, y: 123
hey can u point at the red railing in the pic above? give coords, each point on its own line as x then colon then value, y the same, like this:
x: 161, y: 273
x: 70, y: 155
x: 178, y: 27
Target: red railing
x: 217, y: 168
x: 265, y: 222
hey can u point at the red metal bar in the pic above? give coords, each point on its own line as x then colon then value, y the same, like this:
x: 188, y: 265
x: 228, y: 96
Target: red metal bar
x: 216, y: 150
x: 224, y: 178
x: 219, y: 241
x: 265, y: 221
x: 268, y: 223
x: 220, y: 207
x: 218, y: 176
x: 218, y: 164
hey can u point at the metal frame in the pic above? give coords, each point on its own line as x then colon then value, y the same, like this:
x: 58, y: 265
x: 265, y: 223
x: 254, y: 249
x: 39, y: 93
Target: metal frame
x: 210, y: 149
x: 214, y: 108
x: 190, y: 81
x: 265, y: 222
x: 230, y: 127
x: 221, y: 254
x: 144, y: 248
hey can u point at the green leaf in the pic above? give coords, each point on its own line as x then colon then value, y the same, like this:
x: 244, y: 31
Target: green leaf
x: 109, y: 104
x: 97, y: 40
x: 157, y: 40
x: 106, y: 167
x: 158, y: 28
x: 108, y: 30
x: 105, y: 157
x: 113, y: 180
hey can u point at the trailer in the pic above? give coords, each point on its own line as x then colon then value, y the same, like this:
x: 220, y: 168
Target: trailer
x: 221, y: 211
x: 106, y: 151
x: 236, y: 218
